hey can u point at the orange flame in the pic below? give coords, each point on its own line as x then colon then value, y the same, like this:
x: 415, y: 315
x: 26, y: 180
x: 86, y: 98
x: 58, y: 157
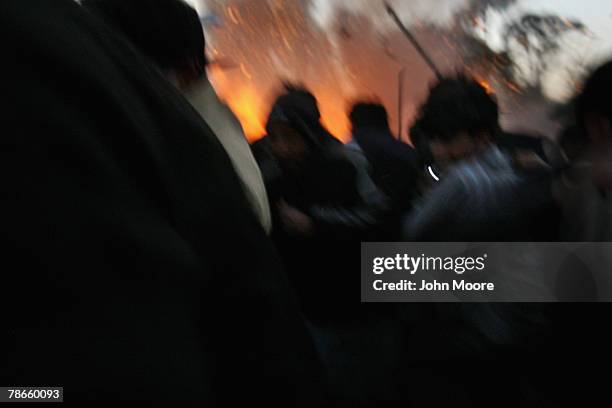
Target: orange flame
x: 333, y: 114
x: 486, y: 85
x: 244, y: 101
x: 246, y: 106
x: 251, y: 108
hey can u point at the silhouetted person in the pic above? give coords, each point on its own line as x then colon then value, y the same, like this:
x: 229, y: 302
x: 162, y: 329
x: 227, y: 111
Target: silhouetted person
x: 394, y: 164
x: 586, y: 188
x: 134, y: 270
x: 170, y: 33
x: 482, y: 195
x: 585, y: 193
x: 307, y: 168
x: 324, y: 203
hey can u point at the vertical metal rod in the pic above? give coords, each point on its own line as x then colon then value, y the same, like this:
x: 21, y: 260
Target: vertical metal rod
x: 400, y: 103
x: 414, y: 41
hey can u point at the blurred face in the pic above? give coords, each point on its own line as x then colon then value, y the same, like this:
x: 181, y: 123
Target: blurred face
x: 461, y: 146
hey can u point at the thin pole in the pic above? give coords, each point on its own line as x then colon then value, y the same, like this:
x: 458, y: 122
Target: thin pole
x: 400, y: 103
x: 414, y: 41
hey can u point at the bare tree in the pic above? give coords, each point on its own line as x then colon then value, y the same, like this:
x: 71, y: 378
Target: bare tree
x: 533, y: 41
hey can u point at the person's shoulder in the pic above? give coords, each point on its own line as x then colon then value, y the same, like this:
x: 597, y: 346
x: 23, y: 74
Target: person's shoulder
x: 354, y: 153
x: 203, y: 97
x: 353, y: 145
x: 462, y: 175
x: 477, y: 171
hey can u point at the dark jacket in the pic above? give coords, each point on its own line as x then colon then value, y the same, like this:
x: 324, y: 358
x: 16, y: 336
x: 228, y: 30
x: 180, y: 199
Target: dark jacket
x: 486, y: 198
x: 331, y: 184
x: 394, y: 164
x: 134, y: 270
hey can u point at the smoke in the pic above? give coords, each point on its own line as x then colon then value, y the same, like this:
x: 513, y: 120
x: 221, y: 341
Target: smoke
x: 437, y: 12
x: 342, y: 50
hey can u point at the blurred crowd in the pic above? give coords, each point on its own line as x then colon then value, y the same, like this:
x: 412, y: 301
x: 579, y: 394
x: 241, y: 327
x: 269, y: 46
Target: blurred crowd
x: 154, y: 256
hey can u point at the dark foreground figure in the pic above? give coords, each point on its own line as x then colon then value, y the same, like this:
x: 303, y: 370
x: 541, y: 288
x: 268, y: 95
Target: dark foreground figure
x: 133, y: 270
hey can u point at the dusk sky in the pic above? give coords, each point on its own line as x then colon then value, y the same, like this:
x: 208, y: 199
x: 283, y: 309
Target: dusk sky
x: 595, y: 14
x: 593, y: 48
x: 250, y: 98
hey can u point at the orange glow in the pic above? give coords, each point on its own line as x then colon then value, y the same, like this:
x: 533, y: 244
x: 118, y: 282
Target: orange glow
x: 246, y: 106
x: 274, y: 42
x: 261, y: 45
x: 244, y: 101
x: 333, y: 115
x: 486, y: 85
x: 251, y: 108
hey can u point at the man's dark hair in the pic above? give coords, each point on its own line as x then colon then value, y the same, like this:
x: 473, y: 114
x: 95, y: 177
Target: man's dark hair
x: 369, y: 114
x: 299, y: 99
x: 298, y: 107
x: 458, y: 105
x: 595, y: 97
x: 167, y: 31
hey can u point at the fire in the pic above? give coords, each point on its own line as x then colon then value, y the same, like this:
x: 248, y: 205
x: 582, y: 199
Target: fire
x: 271, y: 43
x: 251, y: 108
x: 333, y: 114
x: 243, y: 100
x: 276, y: 41
x: 337, y: 126
x: 246, y: 106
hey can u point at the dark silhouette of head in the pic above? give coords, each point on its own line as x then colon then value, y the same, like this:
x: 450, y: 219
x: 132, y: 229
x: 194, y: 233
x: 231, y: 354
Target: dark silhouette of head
x: 369, y: 115
x: 169, y: 32
x: 459, y: 119
x: 593, y: 107
x: 298, y: 100
x: 298, y: 109
x: 594, y: 114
